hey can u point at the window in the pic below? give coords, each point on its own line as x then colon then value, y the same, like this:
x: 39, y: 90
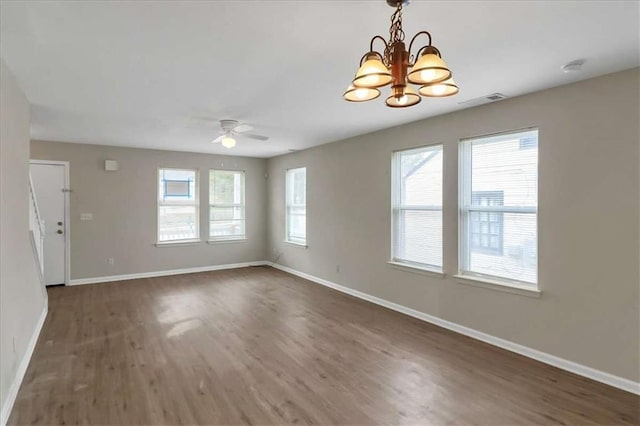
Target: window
x: 417, y: 207
x: 177, y: 205
x: 498, y: 208
x: 296, y: 206
x: 226, y: 205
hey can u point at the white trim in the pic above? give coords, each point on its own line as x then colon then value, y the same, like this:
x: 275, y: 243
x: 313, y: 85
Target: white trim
x: 106, y: 279
x: 293, y: 243
x: 574, y: 367
x: 67, y: 214
x: 177, y: 243
x: 228, y: 241
x: 422, y: 270
x: 499, y: 285
x: 12, y: 393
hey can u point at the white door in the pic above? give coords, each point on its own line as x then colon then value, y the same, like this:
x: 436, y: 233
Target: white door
x: 49, y: 185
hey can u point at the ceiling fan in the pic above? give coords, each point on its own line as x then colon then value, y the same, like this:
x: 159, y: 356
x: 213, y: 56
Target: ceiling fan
x: 232, y: 129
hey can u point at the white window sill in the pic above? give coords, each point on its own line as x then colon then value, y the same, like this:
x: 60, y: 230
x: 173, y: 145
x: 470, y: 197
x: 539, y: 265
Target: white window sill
x: 178, y: 243
x: 228, y: 241
x: 416, y: 269
x: 507, y: 287
x: 293, y: 243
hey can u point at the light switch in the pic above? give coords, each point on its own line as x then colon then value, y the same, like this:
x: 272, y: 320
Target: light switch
x: 111, y: 165
x: 86, y: 216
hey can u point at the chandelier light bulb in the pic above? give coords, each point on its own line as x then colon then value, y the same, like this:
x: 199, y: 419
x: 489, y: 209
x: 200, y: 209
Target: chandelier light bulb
x: 370, y: 81
x: 439, y: 89
x: 361, y: 93
x: 402, y: 97
x: 428, y: 75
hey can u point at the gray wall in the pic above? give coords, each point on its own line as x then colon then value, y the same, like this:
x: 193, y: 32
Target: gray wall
x: 22, y: 298
x: 123, y: 204
x: 588, y: 221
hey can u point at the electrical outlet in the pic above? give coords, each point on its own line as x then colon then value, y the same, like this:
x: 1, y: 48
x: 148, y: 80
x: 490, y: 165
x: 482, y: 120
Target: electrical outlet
x: 14, y: 344
x: 337, y: 268
x: 86, y: 216
x: 111, y: 261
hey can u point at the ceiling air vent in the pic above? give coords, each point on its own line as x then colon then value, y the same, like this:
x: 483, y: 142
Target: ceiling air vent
x: 483, y: 99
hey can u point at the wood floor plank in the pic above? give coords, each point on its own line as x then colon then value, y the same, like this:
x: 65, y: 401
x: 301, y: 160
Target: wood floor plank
x: 260, y: 346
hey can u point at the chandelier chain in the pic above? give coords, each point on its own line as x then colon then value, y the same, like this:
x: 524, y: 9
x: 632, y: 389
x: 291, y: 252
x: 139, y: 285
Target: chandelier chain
x: 396, y: 33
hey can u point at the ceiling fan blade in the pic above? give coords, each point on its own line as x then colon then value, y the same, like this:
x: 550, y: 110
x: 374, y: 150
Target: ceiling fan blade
x: 218, y: 139
x: 258, y: 137
x: 242, y: 128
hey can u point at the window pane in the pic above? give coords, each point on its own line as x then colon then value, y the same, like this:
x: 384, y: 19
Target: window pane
x: 177, y: 186
x: 177, y: 223
x: 231, y: 227
x: 421, y: 177
x: 499, y: 174
x: 297, y: 223
x: 517, y: 256
x: 227, y: 212
x: 226, y: 187
x: 299, y: 188
x: 419, y: 237
x: 418, y: 206
x: 505, y: 173
x: 296, y: 211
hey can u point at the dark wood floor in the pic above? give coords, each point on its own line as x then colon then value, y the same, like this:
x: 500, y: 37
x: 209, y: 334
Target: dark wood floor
x: 259, y: 346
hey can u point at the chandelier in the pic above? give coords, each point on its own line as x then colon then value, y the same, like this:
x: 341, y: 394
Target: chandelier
x: 398, y: 67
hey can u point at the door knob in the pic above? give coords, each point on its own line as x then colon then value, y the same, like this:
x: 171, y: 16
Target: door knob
x: 59, y: 223
x: 59, y: 231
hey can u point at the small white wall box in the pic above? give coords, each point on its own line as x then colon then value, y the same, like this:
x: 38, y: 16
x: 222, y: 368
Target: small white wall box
x: 111, y: 165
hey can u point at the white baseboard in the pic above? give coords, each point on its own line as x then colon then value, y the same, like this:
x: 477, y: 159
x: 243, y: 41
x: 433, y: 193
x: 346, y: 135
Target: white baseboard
x: 22, y: 368
x: 582, y: 370
x: 111, y: 278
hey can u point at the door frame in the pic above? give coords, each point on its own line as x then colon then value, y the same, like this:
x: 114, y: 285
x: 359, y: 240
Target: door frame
x: 67, y: 214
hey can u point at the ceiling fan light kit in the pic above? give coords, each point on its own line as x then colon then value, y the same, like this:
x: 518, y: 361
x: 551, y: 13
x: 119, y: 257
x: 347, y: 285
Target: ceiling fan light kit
x: 398, y: 67
x: 231, y: 129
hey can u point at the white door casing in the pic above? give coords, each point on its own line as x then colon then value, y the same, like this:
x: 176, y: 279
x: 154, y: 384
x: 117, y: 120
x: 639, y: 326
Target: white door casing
x: 50, y: 182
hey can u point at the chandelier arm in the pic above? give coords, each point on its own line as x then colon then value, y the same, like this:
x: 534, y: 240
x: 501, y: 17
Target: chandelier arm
x: 428, y: 34
x: 378, y: 37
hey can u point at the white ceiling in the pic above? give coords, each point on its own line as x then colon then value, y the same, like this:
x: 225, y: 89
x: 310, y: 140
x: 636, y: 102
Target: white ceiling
x: 159, y: 74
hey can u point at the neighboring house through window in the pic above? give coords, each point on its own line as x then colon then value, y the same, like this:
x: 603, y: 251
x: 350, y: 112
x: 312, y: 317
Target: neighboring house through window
x: 487, y: 227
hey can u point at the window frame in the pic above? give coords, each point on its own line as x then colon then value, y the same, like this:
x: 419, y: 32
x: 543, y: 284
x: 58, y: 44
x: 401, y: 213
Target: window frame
x: 242, y: 205
x: 465, y: 207
x: 196, y: 204
x: 397, y: 208
x: 287, y: 237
